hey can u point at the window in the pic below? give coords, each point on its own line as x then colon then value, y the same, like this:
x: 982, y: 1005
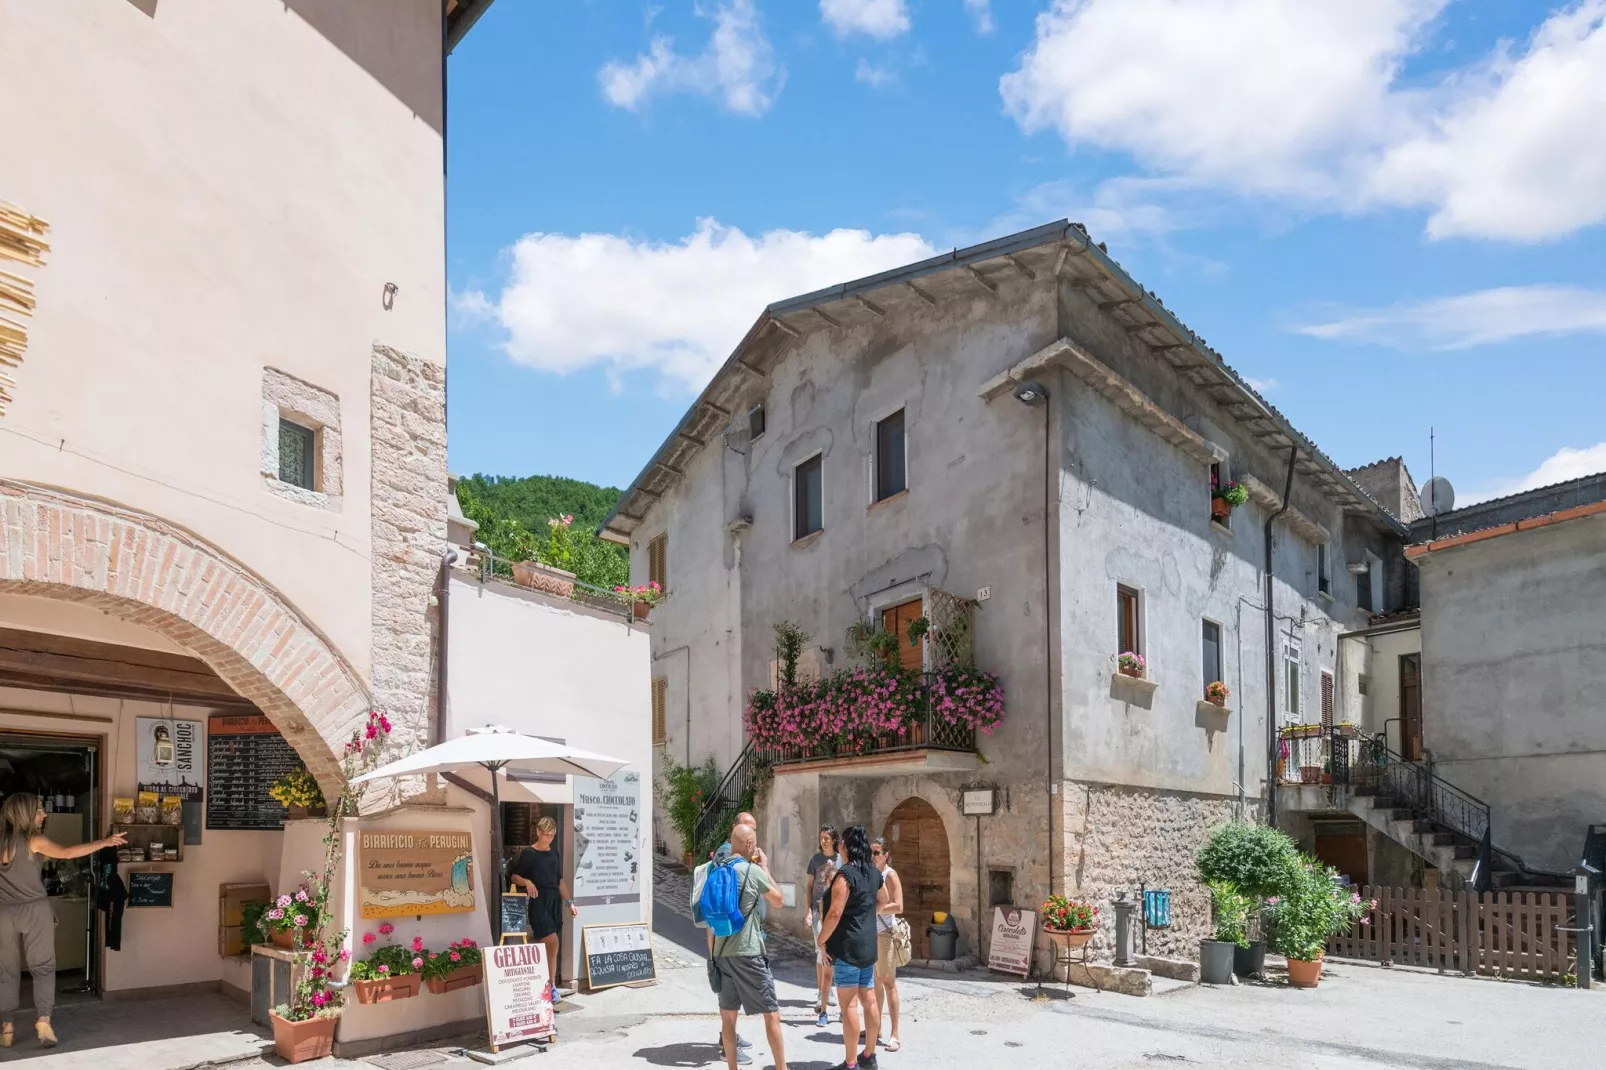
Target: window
x: 660, y: 713
x: 1324, y: 584
x: 658, y: 560
x: 1218, y: 478
x: 1212, y: 653
x: 1363, y: 685
x: 891, y: 476
x: 1363, y: 590
x: 1327, y: 699
x: 1126, y: 606
x: 755, y: 422
x: 807, y: 489
x: 298, y: 455
x: 1291, y: 676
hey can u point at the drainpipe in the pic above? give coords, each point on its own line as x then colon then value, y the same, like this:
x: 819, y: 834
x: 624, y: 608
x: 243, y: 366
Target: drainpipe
x: 1271, y: 649
x: 443, y: 600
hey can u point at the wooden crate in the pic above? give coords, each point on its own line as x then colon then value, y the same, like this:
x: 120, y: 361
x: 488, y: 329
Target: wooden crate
x: 231, y: 901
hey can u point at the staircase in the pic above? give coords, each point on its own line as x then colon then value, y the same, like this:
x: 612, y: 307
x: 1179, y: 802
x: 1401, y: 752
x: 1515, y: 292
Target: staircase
x: 734, y: 794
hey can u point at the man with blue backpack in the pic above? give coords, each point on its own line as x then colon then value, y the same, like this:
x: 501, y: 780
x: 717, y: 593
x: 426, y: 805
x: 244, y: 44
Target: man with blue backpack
x: 726, y: 897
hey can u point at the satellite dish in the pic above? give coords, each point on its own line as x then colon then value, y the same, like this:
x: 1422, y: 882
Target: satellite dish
x: 1438, y: 497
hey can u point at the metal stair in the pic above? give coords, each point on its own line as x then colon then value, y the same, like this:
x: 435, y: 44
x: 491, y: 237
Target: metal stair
x: 728, y: 799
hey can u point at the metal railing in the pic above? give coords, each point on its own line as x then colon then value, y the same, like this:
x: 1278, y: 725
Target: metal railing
x: 726, y: 801
x: 927, y: 730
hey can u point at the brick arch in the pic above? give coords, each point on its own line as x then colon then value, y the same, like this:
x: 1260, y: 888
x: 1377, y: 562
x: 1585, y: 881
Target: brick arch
x: 155, y: 574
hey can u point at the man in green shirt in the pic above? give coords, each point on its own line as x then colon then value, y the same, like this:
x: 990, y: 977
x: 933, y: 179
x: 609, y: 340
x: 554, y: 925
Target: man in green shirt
x: 745, y: 981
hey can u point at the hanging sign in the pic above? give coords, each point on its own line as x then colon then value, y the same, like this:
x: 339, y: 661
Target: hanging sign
x: 404, y: 871
x: 607, y: 838
x: 168, y: 757
x: 518, y: 994
x: 1014, y: 931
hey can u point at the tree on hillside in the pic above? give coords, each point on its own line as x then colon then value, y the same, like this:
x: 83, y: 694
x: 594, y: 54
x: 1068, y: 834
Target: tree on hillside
x: 548, y: 519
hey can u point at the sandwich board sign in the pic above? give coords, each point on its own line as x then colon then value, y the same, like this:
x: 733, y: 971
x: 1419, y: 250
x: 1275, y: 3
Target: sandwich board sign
x: 518, y: 994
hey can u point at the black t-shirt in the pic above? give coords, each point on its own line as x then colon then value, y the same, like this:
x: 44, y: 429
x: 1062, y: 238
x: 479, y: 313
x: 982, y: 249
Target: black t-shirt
x: 854, y: 939
x: 542, y: 868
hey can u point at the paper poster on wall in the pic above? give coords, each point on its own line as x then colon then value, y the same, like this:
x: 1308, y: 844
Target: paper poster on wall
x: 168, y: 757
x: 518, y: 994
x: 1014, y: 930
x: 402, y: 872
x: 607, y: 838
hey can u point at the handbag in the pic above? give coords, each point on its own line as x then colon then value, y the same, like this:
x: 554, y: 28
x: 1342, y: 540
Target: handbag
x: 903, y: 943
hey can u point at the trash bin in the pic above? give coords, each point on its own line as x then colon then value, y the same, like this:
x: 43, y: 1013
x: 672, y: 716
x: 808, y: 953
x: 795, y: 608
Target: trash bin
x: 943, y: 935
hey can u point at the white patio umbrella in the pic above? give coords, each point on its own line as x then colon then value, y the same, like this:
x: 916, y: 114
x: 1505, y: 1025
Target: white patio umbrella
x: 499, y: 751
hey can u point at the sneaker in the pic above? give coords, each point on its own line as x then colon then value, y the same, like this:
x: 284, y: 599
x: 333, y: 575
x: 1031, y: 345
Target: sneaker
x: 742, y: 1043
x: 822, y: 1021
x: 742, y: 1058
x: 868, y: 1062
x: 830, y: 997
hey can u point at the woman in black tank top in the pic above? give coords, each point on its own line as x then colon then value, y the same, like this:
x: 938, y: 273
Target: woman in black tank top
x: 848, y: 935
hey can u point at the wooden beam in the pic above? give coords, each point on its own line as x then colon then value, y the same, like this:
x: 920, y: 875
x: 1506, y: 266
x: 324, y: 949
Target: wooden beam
x: 671, y: 469
x: 1106, y: 306
x: 875, y: 310
x: 786, y: 328
x: 56, y: 662
x: 1022, y: 268
x: 992, y: 287
x: 923, y: 295
x: 827, y: 317
x: 1065, y: 254
x: 693, y: 439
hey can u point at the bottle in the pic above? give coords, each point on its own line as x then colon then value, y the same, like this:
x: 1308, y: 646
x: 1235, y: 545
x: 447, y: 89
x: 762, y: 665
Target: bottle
x: 72, y: 802
x: 50, y: 804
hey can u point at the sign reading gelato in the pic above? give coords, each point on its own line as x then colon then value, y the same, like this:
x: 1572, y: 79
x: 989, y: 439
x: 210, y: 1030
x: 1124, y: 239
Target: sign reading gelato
x: 607, y: 838
x: 518, y: 994
x: 405, y: 872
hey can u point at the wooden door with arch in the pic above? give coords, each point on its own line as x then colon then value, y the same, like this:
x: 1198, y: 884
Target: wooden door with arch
x: 918, y: 844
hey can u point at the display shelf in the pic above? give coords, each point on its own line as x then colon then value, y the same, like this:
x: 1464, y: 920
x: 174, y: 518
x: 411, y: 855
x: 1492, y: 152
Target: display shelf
x: 143, y: 836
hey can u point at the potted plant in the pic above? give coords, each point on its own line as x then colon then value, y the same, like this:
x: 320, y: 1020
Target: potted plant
x: 643, y: 598
x: 1312, y: 909
x: 1230, y: 908
x: 1256, y: 860
x: 1131, y: 663
x: 917, y: 630
x: 1224, y: 499
x: 1069, y: 921
x: 298, y: 792
x: 293, y: 920
x: 1217, y: 692
x: 390, y: 972
x: 459, y: 966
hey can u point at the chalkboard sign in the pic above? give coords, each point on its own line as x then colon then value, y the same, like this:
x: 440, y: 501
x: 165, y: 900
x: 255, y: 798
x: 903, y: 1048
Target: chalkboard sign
x: 150, y: 889
x: 618, y: 954
x: 515, y: 915
x: 245, y: 754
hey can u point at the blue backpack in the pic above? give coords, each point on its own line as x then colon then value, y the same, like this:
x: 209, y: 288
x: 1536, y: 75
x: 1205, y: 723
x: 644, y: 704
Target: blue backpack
x: 721, y: 900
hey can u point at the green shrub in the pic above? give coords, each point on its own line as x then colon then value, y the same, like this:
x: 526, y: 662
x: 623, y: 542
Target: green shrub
x: 687, y: 789
x: 1231, y: 909
x: 1256, y: 860
x: 1311, y: 909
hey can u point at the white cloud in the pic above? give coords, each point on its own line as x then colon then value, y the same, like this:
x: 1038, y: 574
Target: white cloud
x: 1305, y: 101
x: 880, y: 19
x: 1566, y: 463
x: 1482, y: 317
x: 873, y: 76
x: 981, y: 15
x: 677, y: 308
x: 738, y: 66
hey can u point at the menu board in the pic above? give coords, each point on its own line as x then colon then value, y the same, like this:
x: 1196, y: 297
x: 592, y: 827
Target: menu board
x: 607, y: 838
x: 618, y: 954
x: 150, y: 889
x: 245, y: 754
x: 518, y: 994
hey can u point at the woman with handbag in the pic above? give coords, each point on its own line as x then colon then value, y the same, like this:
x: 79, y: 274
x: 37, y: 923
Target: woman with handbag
x: 892, y: 938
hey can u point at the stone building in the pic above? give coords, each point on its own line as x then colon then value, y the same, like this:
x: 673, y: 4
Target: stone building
x: 223, y: 461
x: 1019, y: 438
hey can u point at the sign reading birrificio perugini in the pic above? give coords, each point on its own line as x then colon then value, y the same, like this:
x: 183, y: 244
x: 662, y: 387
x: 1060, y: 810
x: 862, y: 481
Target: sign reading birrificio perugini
x: 406, y: 871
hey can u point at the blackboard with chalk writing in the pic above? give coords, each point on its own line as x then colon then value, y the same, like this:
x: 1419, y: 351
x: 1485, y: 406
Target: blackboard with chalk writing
x: 150, y: 889
x: 618, y: 954
x: 515, y: 912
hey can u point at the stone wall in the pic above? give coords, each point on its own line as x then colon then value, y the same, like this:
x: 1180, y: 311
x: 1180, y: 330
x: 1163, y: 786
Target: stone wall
x: 1118, y: 837
x: 408, y: 398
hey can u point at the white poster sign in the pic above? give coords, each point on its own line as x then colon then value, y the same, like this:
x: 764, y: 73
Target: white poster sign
x: 607, y: 838
x: 518, y: 994
x: 169, y: 756
x: 1014, y: 931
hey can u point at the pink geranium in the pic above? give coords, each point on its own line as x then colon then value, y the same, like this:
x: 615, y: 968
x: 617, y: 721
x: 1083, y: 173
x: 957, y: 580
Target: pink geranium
x: 369, y: 938
x: 418, y: 963
x: 386, y: 928
x: 455, y: 957
x: 418, y: 943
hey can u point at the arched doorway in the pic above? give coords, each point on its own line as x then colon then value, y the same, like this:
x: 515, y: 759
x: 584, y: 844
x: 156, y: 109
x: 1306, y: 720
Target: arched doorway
x: 919, y: 847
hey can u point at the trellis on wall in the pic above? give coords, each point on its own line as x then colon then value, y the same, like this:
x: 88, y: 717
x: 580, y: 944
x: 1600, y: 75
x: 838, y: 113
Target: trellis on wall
x: 950, y: 633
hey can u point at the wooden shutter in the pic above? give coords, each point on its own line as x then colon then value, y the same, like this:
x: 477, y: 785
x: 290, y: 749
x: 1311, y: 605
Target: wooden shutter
x: 660, y: 712
x: 1327, y: 699
x: 658, y: 561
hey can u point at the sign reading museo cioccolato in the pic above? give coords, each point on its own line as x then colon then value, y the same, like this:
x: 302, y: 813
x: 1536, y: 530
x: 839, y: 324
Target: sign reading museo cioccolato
x: 405, y: 871
x: 607, y: 838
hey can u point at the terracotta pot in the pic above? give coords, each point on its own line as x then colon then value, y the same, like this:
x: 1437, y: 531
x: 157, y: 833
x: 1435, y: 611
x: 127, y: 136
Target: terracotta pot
x: 544, y: 578
x: 301, y: 1042
x: 464, y: 977
x: 1070, y: 939
x: 1136, y: 674
x: 643, y: 610
x: 1220, y: 508
x: 387, y: 990
x: 1310, y: 774
x: 283, y: 940
x: 296, y: 813
x: 1302, y: 974
x: 1221, y: 701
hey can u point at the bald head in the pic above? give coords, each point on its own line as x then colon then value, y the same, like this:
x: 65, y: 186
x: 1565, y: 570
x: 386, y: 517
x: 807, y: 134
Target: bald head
x: 743, y: 840
x: 745, y: 818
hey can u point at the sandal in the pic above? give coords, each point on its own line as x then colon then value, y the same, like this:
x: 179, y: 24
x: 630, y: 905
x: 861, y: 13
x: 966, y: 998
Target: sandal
x: 47, y: 1035
x: 890, y: 1045
x: 8, y: 1035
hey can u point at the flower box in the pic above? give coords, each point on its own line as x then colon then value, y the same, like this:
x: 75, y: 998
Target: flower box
x: 544, y: 578
x: 463, y: 977
x: 304, y: 1041
x: 386, y: 990
x: 1220, y: 508
x: 643, y: 610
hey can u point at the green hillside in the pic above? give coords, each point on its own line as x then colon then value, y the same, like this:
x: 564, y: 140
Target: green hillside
x: 514, y: 514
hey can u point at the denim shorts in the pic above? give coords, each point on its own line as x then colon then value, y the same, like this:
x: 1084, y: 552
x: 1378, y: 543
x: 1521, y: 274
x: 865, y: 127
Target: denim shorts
x: 844, y: 975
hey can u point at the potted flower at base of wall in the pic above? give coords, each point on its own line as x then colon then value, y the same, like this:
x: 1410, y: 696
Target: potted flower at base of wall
x: 1258, y: 862
x: 299, y: 794
x: 1223, y: 500
x: 1230, y: 908
x: 643, y: 598
x: 1131, y: 663
x: 1069, y: 922
x: 304, y: 1029
x: 390, y: 972
x: 459, y: 966
x: 1217, y: 693
x: 1313, y: 908
x: 292, y: 921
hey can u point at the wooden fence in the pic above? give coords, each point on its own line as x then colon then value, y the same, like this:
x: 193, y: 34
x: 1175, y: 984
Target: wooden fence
x: 1505, y: 934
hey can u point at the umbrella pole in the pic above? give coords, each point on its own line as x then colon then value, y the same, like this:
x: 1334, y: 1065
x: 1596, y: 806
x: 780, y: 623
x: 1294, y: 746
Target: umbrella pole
x: 494, y: 902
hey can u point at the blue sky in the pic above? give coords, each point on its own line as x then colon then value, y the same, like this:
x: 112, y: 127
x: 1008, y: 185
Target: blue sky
x: 1389, y: 215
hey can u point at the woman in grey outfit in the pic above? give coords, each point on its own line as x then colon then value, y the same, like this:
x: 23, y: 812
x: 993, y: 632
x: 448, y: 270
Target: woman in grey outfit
x: 26, y: 921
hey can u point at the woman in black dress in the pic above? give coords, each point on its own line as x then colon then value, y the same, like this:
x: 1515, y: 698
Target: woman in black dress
x: 539, y: 871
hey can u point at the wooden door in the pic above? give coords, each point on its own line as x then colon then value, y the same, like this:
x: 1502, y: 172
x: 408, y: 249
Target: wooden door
x: 1345, y: 853
x: 919, y: 848
x: 896, y: 620
x: 1411, y: 707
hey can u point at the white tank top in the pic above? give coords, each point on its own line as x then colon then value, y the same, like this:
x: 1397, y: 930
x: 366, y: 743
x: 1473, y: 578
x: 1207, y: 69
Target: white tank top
x: 885, y: 922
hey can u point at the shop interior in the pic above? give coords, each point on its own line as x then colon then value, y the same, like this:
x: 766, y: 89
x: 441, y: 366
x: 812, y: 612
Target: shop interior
x: 65, y: 773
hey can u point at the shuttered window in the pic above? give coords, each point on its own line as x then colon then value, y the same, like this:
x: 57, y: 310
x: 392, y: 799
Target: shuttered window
x: 1327, y: 699
x: 658, y: 561
x: 891, y: 477
x: 660, y: 713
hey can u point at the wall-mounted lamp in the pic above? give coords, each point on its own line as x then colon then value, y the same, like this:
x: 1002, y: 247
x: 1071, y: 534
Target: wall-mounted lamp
x: 1031, y: 392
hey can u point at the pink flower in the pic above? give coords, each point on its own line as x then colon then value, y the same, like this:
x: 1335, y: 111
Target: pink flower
x: 386, y: 928
x: 317, y: 973
x: 433, y: 956
x: 418, y: 963
x: 418, y: 943
x: 369, y: 938
x: 301, y: 921
x: 1272, y: 901
x: 470, y: 943
x: 383, y: 969
x: 455, y: 957
x: 284, y: 901
x: 320, y: 998
x: 344, y: 954
x: 276, y: 914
